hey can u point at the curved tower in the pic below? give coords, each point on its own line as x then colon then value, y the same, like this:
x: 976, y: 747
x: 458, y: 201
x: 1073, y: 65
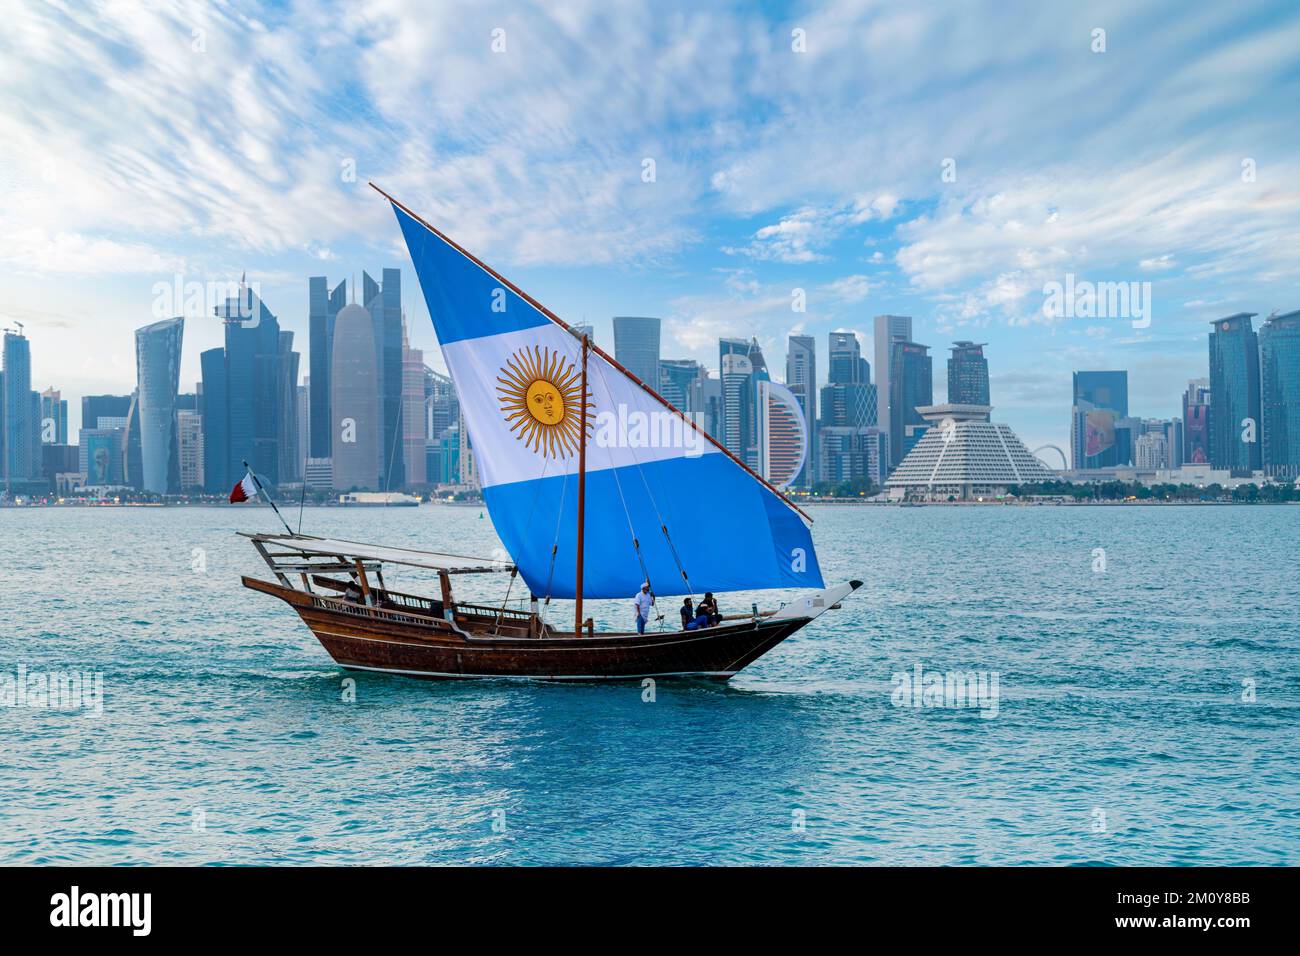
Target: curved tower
x: 354, y: 402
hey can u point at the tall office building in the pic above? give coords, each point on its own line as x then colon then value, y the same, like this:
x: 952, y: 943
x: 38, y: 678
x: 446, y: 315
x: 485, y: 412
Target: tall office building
x: 95, y: 407
x: 291, y: 464
x: 215, y: 414
x: 1234, y: 395
x: 911, y: 385
x: 54, y: 418
x: 681, y: 384
x: 19, y: 413
x: 385, y: 304
x: 1279, y: 384
x: 849, y: 405
x: 414, y: 422
x: 782, y: 435
x: 358, y: 445
x: 584, y: 328
x: 466, y: 463
x: 888, y: 329
x: 189, y: 447
x: 737, y: 378
x: 243, y: 395
x: 968, y: 374
x: 744, y: 403
x: 442, y: 405
x: 636, y: 346
x: 801, y: 380
x: 302, y: 399
x: 844, y: 364
x: 133, y: 445
x: 158, y: 380
x: 1097, y: 418
x: 1151, y: 451
x: 323, y: 308
x: 1196, y: 422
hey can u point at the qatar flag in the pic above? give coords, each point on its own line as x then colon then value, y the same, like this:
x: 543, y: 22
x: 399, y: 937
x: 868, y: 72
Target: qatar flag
x: 243, y: 490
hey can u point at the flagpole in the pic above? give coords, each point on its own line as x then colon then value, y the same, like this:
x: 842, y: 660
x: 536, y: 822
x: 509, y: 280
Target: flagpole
x: 269, y: 500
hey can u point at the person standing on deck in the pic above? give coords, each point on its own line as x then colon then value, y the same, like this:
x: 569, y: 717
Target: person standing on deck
x: 643, y: 602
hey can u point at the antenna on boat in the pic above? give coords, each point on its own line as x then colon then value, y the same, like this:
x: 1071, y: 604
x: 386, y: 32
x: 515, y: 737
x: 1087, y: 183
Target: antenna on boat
x: 269, y: 500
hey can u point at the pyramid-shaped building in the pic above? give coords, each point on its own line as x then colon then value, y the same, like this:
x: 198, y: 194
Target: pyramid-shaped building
x: 963, y: 456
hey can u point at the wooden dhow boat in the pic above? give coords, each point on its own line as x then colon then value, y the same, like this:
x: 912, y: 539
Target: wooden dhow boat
x: 595, y: 485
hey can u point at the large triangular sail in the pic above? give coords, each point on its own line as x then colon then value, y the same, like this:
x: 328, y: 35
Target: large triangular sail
x: 663, y: 500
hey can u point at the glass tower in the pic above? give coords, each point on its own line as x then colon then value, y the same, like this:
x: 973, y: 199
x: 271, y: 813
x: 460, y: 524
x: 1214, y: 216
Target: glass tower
x: 158, y: 379
x: 968, y: 374
x: 911, y: 385
x: 636, y: 346
x: 323, y: 307
x: 1096, y: 430
x: 21, y: 429
x: 1279, y: 382
x: 1234, y: 395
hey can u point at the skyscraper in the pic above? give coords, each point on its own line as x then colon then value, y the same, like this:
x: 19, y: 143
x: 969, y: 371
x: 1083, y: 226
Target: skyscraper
x: 385, y: 305
x: 1196, y: 422
x: 801, y: 380
x: 745, y: 403
x: 911, y: 386
x: 414, y: 422
x: 355, y: 402
x: 636, y: 346
x: 158, y: 379
x: 849, y: 405
x: 291, y: 464
x: 782, y: 435
x: 215, y: 412
x: 95, y: 407
x: 243, y: 394
x: 738, y: 411
x: 189, y: 445
x: 1279, y: 380
x: 21, y: 460
x: 54, y: 418
x: 888, y: 329
x: 844, y: 359
x: 1234, y: 395
x: 968, y: 374
x: 680, y: 383
x: 1100, y: 405
x: 323, y: 307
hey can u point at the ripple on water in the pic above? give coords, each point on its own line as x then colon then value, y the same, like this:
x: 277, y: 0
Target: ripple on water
x: 226, y: 739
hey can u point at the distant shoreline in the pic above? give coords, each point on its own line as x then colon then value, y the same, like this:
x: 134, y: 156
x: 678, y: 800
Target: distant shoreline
x: 835, y: 502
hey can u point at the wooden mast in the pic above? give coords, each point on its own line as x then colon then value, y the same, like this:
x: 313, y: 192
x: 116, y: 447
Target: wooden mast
x: 582, y: 486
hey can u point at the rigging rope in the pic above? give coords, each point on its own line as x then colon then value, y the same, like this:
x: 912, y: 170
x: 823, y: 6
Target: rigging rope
x: 636, y: 544
x: 663, y: 526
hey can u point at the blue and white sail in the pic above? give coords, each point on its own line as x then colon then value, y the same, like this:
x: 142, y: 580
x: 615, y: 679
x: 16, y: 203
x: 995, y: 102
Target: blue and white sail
x: 663, y: 501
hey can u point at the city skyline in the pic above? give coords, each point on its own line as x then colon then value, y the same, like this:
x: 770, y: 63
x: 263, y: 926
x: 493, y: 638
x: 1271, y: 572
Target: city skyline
x: 946, y: 204
x: 157, y: 433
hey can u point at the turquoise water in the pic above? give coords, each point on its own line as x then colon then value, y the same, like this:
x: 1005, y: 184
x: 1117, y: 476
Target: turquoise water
x: 1121, y: 735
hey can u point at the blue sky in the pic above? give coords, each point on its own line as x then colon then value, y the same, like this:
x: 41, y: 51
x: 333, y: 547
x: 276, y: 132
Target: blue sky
x: 199, y: 140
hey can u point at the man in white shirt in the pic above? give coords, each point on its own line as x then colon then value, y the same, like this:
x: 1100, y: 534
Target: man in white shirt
x: 643, y: 602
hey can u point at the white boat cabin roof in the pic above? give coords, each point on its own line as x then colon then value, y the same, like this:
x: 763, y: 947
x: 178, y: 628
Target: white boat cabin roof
x: 307, y: 546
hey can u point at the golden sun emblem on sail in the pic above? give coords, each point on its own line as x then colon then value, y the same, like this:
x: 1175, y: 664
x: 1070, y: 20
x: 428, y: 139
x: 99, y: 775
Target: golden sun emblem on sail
x: 539, y: 395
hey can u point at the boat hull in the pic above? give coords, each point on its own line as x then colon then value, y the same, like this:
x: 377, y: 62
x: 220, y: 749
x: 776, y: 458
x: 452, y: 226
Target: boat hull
x: 367, y: 639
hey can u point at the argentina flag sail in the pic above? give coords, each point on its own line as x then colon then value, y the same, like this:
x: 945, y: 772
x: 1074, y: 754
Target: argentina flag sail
x: 664, y: 502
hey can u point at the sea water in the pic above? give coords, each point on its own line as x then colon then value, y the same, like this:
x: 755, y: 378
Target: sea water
x: 1139, y: 704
